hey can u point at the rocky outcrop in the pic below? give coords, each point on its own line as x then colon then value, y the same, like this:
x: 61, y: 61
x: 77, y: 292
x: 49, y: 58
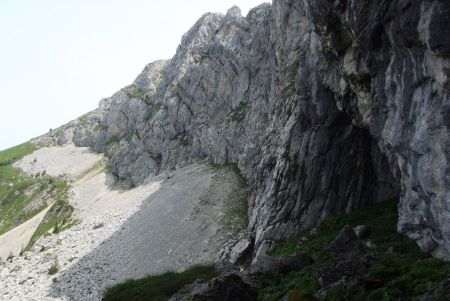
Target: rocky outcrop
x: 225, y: 288
x: 326, y: 106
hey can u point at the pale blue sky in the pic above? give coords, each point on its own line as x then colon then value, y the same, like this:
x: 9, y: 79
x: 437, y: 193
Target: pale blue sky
x: 58, y: 58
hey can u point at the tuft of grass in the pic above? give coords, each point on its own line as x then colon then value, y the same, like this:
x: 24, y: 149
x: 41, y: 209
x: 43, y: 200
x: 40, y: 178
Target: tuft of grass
x: 240, y: 112
x: 83, y: 120
x: 151, y: 111
x: 138, y: 94
x: 159, y: 287
x: 405, y: 276
x: 54, y: 268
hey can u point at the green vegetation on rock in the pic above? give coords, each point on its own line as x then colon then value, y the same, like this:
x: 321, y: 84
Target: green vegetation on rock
x: 138, y: 94
x: 57, y: 219
x: 236, y: 206
x: 151, y: 111
x: 157, y: 288
x: 15, y: 153
x: 240, y: 112
x: 54, y: 268
x: 404, y: 275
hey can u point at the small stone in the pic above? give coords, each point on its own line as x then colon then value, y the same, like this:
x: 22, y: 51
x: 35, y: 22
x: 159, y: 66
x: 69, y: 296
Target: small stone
x: 362, y: 231
x: 370, y: 244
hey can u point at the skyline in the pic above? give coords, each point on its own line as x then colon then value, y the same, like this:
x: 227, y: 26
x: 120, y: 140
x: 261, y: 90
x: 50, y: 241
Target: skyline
x: 60, y: 59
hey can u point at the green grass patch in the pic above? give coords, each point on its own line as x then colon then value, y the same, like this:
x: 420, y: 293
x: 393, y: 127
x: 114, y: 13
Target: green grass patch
x: 404, y: 276
x: 151, y: 111
x: 18, y: 191
x: 240, y: 112
x: 236, y: 206
x: 15, y: 153
x: 57, y: 219
x: 54, y: 268
x: 83, y: 120
x: 137, y: 94
x: 159, y: 287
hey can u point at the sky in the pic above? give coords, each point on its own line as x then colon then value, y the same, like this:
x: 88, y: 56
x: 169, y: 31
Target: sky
x: 59, y: 58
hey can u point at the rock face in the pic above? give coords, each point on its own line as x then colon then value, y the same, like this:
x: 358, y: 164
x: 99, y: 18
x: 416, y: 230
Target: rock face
x: 326, y: 106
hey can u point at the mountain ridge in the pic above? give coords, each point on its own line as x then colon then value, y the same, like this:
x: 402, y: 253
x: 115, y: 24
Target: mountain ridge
x: 325, y: 108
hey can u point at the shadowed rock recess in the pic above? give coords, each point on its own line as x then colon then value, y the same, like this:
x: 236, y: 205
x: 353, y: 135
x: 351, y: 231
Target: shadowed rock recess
x: 325, y: 106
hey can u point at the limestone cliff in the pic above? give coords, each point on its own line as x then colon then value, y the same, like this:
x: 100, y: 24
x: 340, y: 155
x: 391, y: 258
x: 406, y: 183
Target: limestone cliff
x: 325, y: 106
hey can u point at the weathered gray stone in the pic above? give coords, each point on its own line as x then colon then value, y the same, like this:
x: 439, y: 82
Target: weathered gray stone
x: 324, y: 106
x: 283, y: 265
x: 240, y: 250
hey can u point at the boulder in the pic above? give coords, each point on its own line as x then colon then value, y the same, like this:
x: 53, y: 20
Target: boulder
x: 240, y: 250
x: 347, y: 244
x: 283, y: 265
x: 225, y: 288
x: 345, y: 272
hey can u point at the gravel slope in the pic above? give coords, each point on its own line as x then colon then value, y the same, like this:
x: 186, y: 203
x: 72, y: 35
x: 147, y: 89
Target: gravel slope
x: 66, y: 161
x: 168, y: 224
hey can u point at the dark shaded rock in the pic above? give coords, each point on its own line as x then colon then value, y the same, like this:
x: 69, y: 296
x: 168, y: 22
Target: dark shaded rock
x: 189, y: 290
x: 241, y: 250
x: 347, y: 244
x: 440, y: 292
x: 299, y: 296
x: 345, y: 272
x: 287, y: 264
x: 283, y: 265
x: 225, y: 288
x: 362, y: 231
x: 438, y: 31
x: 393, y: 251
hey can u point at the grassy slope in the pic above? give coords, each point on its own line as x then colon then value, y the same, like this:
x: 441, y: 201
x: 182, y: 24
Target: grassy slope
x: 13, y: 184
x: 18, y: 189
x: 157, y: 288
x: 405, y: 276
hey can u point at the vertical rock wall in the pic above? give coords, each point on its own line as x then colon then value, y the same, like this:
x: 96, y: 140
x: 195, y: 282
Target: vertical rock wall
x: 326, y: 106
